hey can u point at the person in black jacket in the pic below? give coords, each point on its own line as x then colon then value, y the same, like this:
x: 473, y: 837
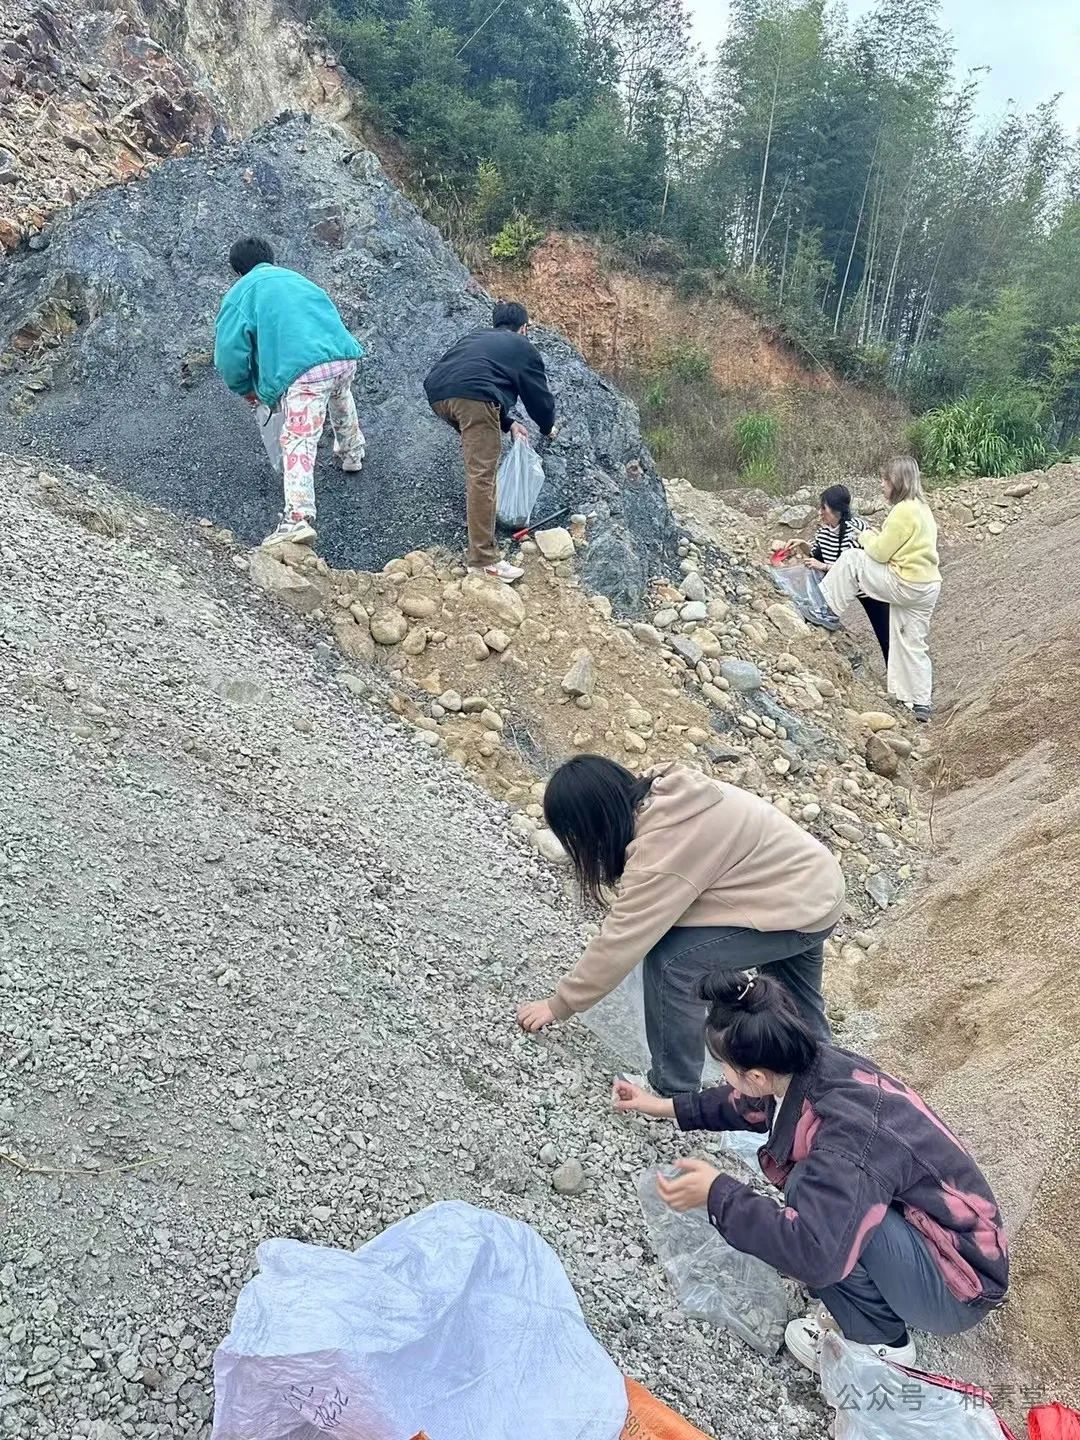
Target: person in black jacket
x: 473, y: 388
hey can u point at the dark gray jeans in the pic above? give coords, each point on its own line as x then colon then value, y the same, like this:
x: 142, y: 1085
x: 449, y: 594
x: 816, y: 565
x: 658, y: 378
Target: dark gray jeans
x: 675, y: 967
x: 894, y: 1285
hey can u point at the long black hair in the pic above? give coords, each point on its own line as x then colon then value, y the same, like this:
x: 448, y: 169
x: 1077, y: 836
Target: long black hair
x: 838, y: 499
x: 590, y: 804
x: 753, y: 1025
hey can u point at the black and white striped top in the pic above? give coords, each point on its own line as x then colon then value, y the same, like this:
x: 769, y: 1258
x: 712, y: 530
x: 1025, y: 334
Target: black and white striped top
x: 827, y: 546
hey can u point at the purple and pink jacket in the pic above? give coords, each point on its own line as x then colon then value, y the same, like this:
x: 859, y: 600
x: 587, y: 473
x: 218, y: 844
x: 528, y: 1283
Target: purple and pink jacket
x: 847, y: 1143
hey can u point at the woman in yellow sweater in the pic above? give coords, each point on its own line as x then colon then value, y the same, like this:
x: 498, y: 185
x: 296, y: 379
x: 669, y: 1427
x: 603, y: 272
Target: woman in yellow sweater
x: 898, y: 564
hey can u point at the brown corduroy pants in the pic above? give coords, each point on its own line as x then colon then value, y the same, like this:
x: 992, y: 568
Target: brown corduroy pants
x: 477, y: 422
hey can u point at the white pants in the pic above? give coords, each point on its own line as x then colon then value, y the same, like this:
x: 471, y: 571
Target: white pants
x: 911, y: 676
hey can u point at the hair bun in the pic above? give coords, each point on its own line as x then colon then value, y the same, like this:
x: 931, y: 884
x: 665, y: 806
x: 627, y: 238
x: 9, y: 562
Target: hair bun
x: 735, y: 990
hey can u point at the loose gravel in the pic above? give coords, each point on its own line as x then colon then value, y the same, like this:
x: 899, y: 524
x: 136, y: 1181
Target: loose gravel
x: 260, y: 952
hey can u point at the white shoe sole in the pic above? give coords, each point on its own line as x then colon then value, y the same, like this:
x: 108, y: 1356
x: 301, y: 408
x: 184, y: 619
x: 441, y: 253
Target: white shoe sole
x: 494, y: 574
x: 303, y: 536
x: 804, y: 1348
x: 803, y: 1342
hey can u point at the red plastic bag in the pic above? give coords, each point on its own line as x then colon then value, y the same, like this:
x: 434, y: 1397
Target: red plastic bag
x: 1053, y: 1422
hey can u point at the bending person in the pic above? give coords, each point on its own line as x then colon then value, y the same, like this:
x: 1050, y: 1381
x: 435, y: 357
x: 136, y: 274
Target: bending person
x: 888, y: 1220
x: 898, y: 564
x: 839, y: 531
x: 473, y: 388
x: 710, y: 879
x: 280, y: 339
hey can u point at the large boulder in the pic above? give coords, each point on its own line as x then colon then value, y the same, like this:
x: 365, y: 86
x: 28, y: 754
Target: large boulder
x: 109, y: 338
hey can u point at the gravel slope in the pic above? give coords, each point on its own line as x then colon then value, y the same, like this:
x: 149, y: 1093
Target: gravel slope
x: 256, y: 933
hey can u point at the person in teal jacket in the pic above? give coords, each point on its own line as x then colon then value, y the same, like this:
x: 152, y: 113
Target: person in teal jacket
x: 281, y: 342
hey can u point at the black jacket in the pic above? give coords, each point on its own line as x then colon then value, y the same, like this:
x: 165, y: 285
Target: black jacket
x: 498, y: 366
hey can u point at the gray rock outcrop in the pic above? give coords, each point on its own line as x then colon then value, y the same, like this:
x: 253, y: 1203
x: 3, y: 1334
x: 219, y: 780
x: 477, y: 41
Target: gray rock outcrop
x: 108, y: 334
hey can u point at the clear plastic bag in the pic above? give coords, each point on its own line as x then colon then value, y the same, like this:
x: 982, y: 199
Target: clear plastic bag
x: 874, y: 1400
x: 456, y: 1322
x: 618, y: 1022
x: 271, y: 423
x: 518, y: 484
x: 712, y: 1280
x: 802, y: 585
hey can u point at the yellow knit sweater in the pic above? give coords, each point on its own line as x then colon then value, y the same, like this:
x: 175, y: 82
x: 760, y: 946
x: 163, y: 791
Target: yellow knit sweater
x: 907, y: 543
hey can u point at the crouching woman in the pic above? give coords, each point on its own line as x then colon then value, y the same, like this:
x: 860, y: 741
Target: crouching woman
x: 888, y: 1221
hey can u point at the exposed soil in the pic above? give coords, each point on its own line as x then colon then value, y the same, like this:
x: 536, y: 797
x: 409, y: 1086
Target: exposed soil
x: 978, y: 988
x: 621, y: 320
x: 625, y: 320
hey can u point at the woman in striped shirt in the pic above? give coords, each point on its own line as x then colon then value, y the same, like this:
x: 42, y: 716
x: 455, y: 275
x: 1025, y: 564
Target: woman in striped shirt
x: 836, y: 533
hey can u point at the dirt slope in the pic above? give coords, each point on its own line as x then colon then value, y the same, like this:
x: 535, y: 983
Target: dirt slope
x: 621, y: 320
x: 978, y: 989
x: 627, y: 320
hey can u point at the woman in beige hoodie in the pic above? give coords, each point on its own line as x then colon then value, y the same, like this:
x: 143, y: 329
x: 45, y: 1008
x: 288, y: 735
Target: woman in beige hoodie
x: 707, y: 878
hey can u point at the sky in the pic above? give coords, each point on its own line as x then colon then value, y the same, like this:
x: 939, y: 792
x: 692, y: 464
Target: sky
x: 1032, y: 47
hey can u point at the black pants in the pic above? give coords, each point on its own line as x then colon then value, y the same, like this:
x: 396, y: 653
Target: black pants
x: 877, y: 612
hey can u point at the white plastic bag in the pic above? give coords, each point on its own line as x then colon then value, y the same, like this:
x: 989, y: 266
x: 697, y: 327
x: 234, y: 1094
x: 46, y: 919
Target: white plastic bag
x: 271, y: 423
x: 518, y: 484
x: 712, y: 1280
x: 874, y: 1400
x: 456, y: 1322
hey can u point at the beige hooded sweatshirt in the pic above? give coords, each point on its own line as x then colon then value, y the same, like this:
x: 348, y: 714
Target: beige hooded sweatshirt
x: 704, y: 853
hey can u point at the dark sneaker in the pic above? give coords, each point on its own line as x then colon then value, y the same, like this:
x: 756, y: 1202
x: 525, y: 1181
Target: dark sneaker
x: 824, y: 618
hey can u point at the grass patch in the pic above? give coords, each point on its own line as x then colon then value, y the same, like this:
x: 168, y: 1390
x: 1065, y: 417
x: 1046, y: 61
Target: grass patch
x: 717, y: 439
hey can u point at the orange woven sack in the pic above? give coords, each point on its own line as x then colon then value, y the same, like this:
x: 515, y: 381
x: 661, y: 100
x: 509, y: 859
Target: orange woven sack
x: 650, y: 1419
x: 1053, y: 1422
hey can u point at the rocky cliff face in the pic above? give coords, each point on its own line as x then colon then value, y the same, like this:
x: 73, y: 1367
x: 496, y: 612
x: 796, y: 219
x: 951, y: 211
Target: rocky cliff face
x: 257, y: 58
x: 95, y: 95
x: 87, y: 99
x: 108, y: 334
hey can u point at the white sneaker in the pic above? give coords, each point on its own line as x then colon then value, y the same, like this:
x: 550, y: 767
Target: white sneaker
x: 803, y: 1339
x: 501, y: 570
x: 355, y: 463
x: 298, y: 532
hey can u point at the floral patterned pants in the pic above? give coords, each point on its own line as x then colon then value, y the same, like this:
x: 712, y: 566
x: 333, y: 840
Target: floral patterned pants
x: 306, y: 402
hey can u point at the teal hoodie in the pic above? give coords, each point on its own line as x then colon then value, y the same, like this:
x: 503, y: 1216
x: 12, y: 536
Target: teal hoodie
x: 272, y: 326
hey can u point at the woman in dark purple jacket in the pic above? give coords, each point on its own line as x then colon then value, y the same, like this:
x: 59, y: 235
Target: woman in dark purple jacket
x: 887, y: 1219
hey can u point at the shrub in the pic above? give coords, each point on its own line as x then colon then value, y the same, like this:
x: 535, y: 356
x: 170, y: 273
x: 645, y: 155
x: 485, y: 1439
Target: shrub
x: 870, y: 364
x: 755, y: 435
x: 658, y: 254
x: 516, y: 238
x: 488, y: 206
x: 691, y: 284
x: 685, y: 361
x: 661, y: 440
x: 981, y: 435
x: 656, y: 396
